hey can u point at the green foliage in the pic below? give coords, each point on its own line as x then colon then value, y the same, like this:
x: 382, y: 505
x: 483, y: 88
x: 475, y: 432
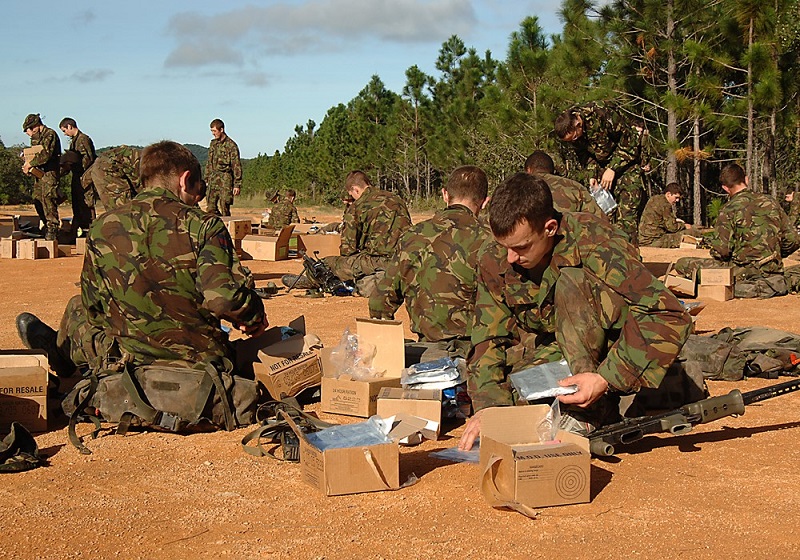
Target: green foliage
x: 712, y: 210
x: 15, y: 188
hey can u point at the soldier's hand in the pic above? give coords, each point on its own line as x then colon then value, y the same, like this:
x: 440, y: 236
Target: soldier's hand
x: 608, y: 178
x: 591, y: 386
x: 236, y: 191
x: 471, y: 432
x: 26, y: 168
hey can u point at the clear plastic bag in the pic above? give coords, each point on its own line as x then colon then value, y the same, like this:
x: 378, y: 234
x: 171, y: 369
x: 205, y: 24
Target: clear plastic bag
x: 353, y: 357
x: 548, y: 427
x: 604, y: 200
x: 437, y: 374
x: 541, y: 382
x: 373, y: 431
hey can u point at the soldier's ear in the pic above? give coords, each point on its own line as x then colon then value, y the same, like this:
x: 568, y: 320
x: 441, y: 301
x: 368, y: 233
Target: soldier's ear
x: 445, y: 196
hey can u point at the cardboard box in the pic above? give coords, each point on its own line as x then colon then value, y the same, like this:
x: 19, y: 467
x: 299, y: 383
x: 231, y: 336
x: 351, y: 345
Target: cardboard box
x: 239, y: 228
x: 321, y: 244
x: 351, y: 397
x: 80, y: 246
x: 267, y: 247
x: 421, y: 403
x: 521, y: 472
x: 352, y: 470
x: 679, y: 284
x: 8, y: 248
x: 46, y: 249
x: 23, y: 390
x: 388, y: 339
x: 715, y: 293
x: 26, y: 249
x: 9, y: 225
x: 689, y: 242
x: 30, y: 152
x: 716, y: 277
x: 284, y: 367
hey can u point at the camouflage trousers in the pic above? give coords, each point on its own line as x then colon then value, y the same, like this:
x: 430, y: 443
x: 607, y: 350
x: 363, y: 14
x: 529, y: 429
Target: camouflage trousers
x: 749, y: 282
x: 365, y: 270
x: 78, y: 340
x: 219, y: 197
x: 627, y: 189
x: 82, y: 213
x: 668, y: 240
x: 114, y: 191
x: 45, y: 200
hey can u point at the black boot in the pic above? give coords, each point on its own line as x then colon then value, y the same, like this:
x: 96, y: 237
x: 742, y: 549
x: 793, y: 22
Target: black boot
x: 35, y: 334
x: 301, y: 282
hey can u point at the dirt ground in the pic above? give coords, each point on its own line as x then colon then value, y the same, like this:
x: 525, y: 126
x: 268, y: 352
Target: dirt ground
x: 727, y: 490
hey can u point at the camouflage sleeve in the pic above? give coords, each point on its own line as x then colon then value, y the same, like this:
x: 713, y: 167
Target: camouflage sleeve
x: 222, y: 279
x: 93, y: 294
x: 349, y: 243
x: 790, y: 239
x: 389, y: 296
x: 48, y: 141
x: 210, y: 160
x: 671, y: 223
x: 493, y: 332
x: 236, y: 167
x: 654, y: 329
x: 85, y: 147
x: 628, y: 148
x: 721, y: 239
x: 295, y: 218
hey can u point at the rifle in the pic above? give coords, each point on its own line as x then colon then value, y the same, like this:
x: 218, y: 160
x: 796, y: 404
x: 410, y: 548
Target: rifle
x: 681, y: 421
x: 321, y: 274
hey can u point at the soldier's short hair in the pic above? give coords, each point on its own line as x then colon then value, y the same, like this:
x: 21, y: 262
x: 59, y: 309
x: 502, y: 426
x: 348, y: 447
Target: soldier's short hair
x: 565, y: 123
x: 520, y: 198
x: 468, y: 182
x: 218, y: 124
x: 673, y: 188
x: 166, y: 159
x: 290, y: 193
x: 540, y: 162
x: 732, y: 175
x: 357, y: 178
x: 67, y: 121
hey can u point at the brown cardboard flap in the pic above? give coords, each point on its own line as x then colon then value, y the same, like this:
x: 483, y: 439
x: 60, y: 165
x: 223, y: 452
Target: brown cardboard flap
x: 494, y: 496
x: 387, y: 337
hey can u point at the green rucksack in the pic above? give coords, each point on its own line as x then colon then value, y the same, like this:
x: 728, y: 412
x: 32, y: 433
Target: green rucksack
x: 164, y: 398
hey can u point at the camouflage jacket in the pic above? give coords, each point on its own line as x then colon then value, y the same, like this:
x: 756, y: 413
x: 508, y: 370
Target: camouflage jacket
x: 375, y: 224
x: 48, y: 158
x: 651, y: 322
x: 657, y: 220
x: 571, y: 196
x: 753, y: 231
x: 82, y: 144
x: 223, y: 167
x: 283, y: 214
x: 122, y: 161
x: 434, y: 272
x: 794, y: 210
x: 609, y: 140
x: 159, y: 275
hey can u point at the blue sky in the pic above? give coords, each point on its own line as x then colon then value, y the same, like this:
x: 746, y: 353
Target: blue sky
x: 138, y: 72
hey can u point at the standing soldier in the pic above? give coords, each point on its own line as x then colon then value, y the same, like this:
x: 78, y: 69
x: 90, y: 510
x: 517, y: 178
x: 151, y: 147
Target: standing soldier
x: 82, y: 201
x: 223, y: 171
x: 609, y: 146
x: 115, y: 175
x: 44, y: 166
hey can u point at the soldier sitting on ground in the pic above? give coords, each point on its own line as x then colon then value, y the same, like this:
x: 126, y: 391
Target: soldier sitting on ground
x: 554, y: 285
x: 752, y: 235
x: 284, y: 212
x: 434, y: 271
x: 659, y: 227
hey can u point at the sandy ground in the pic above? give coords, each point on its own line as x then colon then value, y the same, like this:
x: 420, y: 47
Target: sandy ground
x: 728, y: 489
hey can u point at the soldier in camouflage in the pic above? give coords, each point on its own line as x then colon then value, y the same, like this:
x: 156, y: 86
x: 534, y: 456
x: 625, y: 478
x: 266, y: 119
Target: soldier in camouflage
x: 82, y: 201
x: 659, y: 227
x: 434, y: 269
x: 568, y: 195
x: 158, y: 277
x: 567, y: 285
x: 284, y: 212
x: 115, y: 176
x: 370, y: 233
x: 223, y: 171
x: 610, y: 147
x: 793, y: 198
x: 45, y: 166
x: 752, y: 235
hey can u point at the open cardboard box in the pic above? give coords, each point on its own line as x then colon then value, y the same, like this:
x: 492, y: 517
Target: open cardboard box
x: 420, y: 403
x: 284, y: 367
x: 23, y: 389
x: 344, y: 395
x: 352, y: 470
x: 679, y: 284
x: 320, y: 244
x: 267, y: 247
x: 521, y: 472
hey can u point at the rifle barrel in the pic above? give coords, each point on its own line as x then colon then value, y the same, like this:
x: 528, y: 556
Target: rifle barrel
x: 757, y: 395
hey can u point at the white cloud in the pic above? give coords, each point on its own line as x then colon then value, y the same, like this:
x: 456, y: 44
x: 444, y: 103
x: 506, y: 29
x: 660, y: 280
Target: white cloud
x: 330, y: 24
x: 88, y: 76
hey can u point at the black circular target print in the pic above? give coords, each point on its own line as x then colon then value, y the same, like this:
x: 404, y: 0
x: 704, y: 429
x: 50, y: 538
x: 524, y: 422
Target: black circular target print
x: 570, y: 482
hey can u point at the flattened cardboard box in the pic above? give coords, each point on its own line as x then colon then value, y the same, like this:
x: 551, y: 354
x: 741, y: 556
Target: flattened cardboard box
x: 388, y: 339
x: 422, y: 403
x: 716, y: 277
x: 284, y: 367
x: 520, y: 471
x: 23, y: 390
x: 321, y: 244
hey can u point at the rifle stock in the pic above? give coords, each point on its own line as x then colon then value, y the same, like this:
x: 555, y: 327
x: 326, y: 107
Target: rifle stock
x: 602, y: 442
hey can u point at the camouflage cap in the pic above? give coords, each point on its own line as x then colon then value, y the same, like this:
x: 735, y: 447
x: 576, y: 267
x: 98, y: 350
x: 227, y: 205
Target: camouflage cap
x: 30, y: 121
x: 274, y: 197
